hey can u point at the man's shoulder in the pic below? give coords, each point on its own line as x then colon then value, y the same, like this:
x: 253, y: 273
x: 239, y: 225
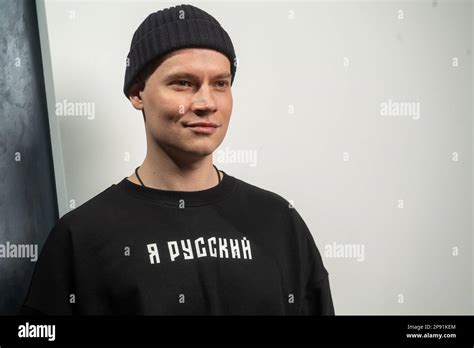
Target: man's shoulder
x: 97, y: 206
x: 260, y: 195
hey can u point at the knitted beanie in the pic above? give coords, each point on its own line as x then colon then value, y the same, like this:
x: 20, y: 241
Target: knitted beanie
x: 182, y: 26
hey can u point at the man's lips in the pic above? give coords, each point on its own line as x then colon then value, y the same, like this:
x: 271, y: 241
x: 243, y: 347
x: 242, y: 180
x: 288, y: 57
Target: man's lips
x: 202, y: 124
x: 202, y: 127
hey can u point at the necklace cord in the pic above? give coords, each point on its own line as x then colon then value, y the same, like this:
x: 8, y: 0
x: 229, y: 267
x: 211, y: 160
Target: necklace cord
x: 141, y: 182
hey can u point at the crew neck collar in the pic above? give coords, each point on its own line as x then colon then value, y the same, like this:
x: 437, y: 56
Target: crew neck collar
x: 178, y: 198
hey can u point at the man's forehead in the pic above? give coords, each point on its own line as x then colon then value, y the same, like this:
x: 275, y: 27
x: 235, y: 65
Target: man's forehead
x: 202, y: 51
x: 194, y: 62
x: 194, y: 56
x: 190, y: 72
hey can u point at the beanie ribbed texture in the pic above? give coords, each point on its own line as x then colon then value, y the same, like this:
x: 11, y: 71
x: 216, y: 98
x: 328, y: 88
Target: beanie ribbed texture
x: 182, y: 26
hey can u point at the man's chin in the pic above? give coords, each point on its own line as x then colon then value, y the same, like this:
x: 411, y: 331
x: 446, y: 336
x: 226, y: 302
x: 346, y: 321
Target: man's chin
x: 202, y: 152
x: 200, y: 147
x: 198, y: 152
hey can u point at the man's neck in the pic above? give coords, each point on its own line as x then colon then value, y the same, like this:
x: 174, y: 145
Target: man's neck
x: 165, y: 174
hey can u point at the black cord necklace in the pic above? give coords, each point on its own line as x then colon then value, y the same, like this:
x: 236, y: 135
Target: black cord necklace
x: 141, y: 182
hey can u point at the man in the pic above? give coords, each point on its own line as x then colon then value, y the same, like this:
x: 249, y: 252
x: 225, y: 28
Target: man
x: 180, y: 237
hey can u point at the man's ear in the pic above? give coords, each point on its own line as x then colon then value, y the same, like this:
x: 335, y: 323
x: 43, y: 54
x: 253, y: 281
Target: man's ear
x: 134, y: 95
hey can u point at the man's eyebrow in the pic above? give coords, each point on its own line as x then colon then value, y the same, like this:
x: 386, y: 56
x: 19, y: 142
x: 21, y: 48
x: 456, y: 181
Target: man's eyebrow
x: 177, y: 75
x: 224, y: 75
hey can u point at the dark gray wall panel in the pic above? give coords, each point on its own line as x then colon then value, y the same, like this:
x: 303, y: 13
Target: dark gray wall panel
x: 28, y: 207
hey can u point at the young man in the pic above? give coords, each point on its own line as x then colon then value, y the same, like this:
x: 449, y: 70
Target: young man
x: 180, y: 237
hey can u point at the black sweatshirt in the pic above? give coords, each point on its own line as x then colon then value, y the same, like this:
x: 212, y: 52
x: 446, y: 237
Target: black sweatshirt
x: 233, y: 249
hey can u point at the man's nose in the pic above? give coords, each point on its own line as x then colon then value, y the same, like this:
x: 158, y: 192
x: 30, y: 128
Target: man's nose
x: 203, y: 100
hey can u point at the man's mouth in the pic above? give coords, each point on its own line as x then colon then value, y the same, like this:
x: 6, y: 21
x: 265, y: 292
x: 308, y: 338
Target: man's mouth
x: 202, y: 127
x: 201, y: 124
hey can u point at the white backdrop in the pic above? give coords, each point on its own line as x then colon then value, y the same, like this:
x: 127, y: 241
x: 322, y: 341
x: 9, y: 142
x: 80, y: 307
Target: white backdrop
x: 360, y: 113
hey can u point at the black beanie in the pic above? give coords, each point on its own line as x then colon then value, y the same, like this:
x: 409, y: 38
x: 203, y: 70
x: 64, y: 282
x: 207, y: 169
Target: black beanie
x: 182, y: 26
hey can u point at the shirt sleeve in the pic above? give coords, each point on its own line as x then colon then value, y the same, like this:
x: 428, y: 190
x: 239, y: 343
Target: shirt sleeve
x: 317, y: 298
x: 52, y: 285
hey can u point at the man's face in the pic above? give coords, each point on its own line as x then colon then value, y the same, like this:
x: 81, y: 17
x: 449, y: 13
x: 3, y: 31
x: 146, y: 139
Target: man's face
x: 190, y: 85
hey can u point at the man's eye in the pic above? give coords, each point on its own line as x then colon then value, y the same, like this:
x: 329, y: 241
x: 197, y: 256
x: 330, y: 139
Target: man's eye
x: 180, y: 83
x: 223, y: 83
